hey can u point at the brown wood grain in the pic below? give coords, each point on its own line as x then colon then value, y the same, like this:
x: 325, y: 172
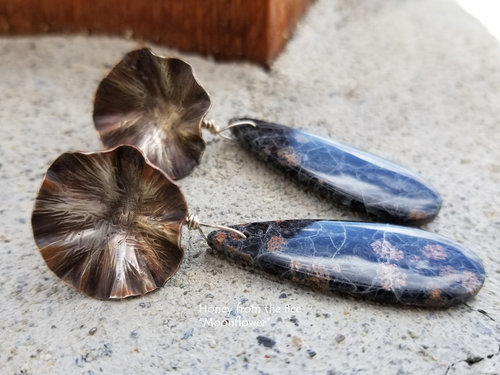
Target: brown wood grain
x: 228, y: 29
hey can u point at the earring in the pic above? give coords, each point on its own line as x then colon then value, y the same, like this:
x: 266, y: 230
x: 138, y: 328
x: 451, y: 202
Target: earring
x: 156, y: 104
x: 109, y: 224
x: 383, y: 262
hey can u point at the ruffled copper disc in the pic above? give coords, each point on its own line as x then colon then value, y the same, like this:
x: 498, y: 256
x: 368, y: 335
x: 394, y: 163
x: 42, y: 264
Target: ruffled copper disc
x: 156, y: 104
x: 108, y: 223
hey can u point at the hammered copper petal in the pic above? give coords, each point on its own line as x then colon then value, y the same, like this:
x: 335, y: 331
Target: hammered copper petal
x: 108, y: 223
x: 156, y: 104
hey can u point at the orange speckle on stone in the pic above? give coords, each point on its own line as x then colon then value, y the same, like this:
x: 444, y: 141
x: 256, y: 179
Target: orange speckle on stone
x: 319, y: 277
x: 287, y: 155
x: 470, y: 282
x: 448, y: 271
x: 319, y: 270
x: 436, y: 252
x: 276, y: 243
x: 390, y: 276
x: 417, y: 215
x: 435, y: 294
x: 221, y: 237
x: 295, y: 265
x: 386, y: 250
x: 234, y: 236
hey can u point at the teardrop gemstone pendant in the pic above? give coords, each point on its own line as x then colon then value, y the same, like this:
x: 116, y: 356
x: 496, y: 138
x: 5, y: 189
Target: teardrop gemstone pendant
x: 382, y: 262
x: 358, y: 179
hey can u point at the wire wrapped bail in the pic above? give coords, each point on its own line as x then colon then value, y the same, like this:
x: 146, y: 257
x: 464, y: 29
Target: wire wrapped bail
x: 192, y: 222
x: 214, y: 129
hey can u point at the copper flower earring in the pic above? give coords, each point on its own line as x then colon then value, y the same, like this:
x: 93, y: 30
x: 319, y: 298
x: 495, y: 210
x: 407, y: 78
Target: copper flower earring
x: 156, y: 104
x: 109, y: 224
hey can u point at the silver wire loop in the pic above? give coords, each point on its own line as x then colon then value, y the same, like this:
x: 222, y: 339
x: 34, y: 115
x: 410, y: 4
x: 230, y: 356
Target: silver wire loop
x: 214, y: 129
x: 193, y: 222
x: 210, y: 126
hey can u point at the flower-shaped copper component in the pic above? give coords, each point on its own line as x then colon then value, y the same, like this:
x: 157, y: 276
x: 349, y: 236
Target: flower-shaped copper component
x: 156, y: 104
x: 108, y: 223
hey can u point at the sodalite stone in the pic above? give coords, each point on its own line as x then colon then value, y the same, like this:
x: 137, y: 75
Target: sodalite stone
x: 345, y: 174
x: 383, y: 262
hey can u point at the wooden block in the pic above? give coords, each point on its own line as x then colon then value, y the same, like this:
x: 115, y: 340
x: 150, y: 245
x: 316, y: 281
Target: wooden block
x: 255, y: 30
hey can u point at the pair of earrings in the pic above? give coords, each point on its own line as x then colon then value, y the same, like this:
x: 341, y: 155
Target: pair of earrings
x: 109, y: 223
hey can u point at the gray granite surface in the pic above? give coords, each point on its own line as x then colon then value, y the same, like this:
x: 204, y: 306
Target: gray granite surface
x: 417, y: 82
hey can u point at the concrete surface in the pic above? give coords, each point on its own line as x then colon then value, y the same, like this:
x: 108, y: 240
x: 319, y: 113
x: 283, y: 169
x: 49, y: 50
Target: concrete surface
x: 417, y: 82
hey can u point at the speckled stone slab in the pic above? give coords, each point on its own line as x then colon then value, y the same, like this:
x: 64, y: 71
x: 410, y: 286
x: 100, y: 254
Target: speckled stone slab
x: 383, y: 262
x: 353, y: 177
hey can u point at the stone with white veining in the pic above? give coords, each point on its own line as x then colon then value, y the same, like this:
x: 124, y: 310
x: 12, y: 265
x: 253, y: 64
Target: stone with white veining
x: 383, y: 262
x: 344, y: 174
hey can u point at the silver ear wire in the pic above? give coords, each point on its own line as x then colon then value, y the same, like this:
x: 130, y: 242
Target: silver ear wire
x: 214, y: 129
x: 193, y: 222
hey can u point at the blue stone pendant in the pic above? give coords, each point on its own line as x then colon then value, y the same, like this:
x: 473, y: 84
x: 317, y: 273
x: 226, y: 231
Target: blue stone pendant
x: 382, y: 262
x: 363, y: 181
